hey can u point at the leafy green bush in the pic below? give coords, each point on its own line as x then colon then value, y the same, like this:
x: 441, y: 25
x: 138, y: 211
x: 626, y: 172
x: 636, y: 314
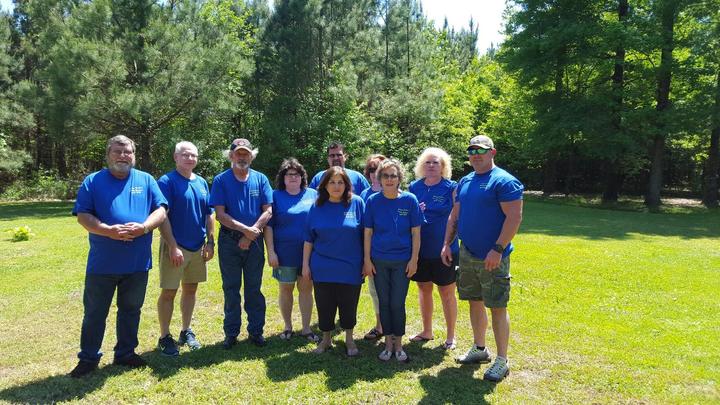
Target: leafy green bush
x: 43, y: 186
x: 21, y: 233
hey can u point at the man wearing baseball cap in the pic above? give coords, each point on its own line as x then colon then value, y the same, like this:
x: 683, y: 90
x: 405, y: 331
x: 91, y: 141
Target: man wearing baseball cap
x: 486, y: 214
x: 242, y: 198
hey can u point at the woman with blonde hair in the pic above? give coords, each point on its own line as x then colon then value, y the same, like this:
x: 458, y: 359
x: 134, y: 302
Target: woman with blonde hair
x: 434, y: 190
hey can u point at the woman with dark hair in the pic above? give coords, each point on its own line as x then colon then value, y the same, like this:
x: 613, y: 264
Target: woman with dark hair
x: 371, y: 165
x: 284, y: 240
x: 392, y: 243
x: 332, y: 256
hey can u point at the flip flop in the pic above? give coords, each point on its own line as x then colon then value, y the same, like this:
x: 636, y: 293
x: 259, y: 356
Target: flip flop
x: 449, y: 345
x: 420, y: 339
x: 373, y: 334
x: 311, y: 337
x: 353, y: 352
x: 286, y: 334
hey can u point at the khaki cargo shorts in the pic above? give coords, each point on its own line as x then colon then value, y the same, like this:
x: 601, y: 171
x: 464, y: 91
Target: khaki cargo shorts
x: 192, y: 270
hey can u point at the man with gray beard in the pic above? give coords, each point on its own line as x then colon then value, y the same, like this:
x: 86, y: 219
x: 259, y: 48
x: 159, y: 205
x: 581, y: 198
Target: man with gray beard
x: 119, y: 206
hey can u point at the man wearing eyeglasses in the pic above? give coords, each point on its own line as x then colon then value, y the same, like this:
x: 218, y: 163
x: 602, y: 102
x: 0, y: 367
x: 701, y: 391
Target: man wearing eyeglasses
x: 337, y: 157
x: 242, y: 198
x: 184, y: 249
x: 119, y: 207
x: 486, y: 214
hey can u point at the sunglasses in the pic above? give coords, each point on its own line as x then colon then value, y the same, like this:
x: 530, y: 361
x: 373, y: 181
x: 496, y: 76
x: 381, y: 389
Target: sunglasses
x: 372, y: 169
x: 477, y: 151
x: 389, y: 176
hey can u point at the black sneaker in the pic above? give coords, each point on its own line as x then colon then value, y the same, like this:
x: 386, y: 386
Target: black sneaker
x: 167, y: 346
x: 229, y: 342
x: 83, y: 368
x: 187, y: 337
x: 257, y: 340
x: 132, y: 361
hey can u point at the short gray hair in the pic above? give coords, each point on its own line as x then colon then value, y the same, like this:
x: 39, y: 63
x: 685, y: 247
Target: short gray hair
x: 387, y: 163
x: 119, y: 140
x: 185, y: 144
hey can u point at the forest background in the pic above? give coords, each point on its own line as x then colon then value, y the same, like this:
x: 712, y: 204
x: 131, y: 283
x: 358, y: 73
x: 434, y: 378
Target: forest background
x: 581, y: 96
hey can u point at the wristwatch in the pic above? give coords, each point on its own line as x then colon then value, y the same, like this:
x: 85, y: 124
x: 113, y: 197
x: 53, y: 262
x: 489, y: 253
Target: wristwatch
x: 498, y: 248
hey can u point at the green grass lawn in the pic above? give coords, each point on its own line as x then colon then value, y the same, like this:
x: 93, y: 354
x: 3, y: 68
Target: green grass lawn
x: 606, y: 306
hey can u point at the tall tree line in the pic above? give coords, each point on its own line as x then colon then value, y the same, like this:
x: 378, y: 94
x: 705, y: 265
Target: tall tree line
x: 594, y: 96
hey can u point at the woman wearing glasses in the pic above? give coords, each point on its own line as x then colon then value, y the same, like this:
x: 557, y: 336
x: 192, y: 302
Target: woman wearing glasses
x: 371, y: 165
x: 392, y: 243
x: 332, y: 255
x: 434, y: 190
x: 284, y: 240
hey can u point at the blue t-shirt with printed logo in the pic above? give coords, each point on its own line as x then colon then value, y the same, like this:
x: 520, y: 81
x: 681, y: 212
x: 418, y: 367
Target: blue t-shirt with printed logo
x: 359, y: 182
x: 188, y: 208
x: 391, y: 221
x: 288, y: 224
x: 481, y: 217
x: 336, y: 232
x: 243, y: 200
x: 118, y: 201
x: 438, y: 200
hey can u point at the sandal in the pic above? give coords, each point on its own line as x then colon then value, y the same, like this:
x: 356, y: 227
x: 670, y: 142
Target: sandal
x: 320, y: 349
x: 353, y: 352
x: 449, y: 345
x: 420, y: 339
x: 373, y: 334
x: 286, y: 334
x: 311, y: 336
x: 385, y: 355
x: 401, y: 356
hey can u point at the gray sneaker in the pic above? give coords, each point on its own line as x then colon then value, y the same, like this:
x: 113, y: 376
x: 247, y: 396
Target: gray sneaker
x: 187, y: 337
x: 475, y: 355
x: 498, y: 371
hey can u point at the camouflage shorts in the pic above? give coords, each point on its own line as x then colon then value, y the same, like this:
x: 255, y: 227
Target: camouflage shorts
x: 476, y: 284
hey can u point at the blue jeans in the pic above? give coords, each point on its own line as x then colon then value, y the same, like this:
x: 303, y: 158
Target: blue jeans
x: 98, y: 295
x: 237, y: 265
x: 391, y: 284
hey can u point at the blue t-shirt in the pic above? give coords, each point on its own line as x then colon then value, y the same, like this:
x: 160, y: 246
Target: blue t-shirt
x: 188, y: 208
x: 288, y: 224
x: 367, y: 193
x: 118, y: 201
x: 336, y: 233
x: 359, y: 182
x: 438, y: 200
x: 243, y: 200
x: 481, y: 217
x: 391, y: 221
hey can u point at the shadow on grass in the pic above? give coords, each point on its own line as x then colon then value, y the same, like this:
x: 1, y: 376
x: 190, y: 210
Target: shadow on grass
x: 597, y: 224
x: 455, y: 385
x: 284, y: 360
x: 37, y: 210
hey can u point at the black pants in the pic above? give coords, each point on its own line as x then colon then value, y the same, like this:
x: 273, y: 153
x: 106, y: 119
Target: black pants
x: 331, y: 297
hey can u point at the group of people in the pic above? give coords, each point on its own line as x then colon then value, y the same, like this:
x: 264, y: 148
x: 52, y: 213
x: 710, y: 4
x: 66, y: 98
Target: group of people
x: 325, y: 237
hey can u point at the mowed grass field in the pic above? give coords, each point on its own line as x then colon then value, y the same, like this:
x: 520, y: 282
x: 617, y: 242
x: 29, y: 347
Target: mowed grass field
x: 606, y: 307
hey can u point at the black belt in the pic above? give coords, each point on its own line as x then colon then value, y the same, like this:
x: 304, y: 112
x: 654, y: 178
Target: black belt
x: 232, y: 234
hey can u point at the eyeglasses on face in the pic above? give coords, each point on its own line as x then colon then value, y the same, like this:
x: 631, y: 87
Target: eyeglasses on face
x: 335, y: 155
x: 389, y: 176
x: 292, y: 174
x: 477, y: 151
x: 372, y: 169
x: 432, y: 163
x: 188, y: 155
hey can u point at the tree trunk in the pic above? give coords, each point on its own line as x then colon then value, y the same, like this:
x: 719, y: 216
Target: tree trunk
x: 549, y: 176
x: 613, y: 173
x: 60, y: 160
x: 712, y: 164
x: 657, y: 148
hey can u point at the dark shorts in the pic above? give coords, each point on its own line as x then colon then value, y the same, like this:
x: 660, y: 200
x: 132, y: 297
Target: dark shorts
x: 436, y: 271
